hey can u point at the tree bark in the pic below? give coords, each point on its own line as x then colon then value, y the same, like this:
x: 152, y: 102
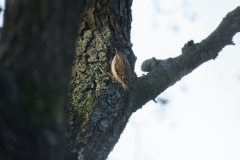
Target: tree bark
x: 99, y: 107
x: 37, y: 48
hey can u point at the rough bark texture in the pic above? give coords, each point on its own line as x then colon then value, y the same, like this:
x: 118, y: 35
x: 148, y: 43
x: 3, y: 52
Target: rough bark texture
x: 99, y: 107
x: 37, y: 48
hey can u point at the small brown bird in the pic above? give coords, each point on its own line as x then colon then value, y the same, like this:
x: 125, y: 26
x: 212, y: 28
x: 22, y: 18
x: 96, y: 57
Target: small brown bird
x: 121, y: 69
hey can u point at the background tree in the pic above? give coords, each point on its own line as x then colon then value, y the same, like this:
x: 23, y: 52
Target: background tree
x: 37, y: 48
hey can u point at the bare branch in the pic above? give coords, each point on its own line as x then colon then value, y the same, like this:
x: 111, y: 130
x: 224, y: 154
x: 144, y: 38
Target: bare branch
x: 169, y: 71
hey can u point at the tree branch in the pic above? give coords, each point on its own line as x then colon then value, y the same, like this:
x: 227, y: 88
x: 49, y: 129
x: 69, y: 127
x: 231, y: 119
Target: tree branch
x: 164, y: 73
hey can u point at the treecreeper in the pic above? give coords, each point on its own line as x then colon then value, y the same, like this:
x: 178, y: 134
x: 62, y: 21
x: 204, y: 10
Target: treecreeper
x: 121, y: 70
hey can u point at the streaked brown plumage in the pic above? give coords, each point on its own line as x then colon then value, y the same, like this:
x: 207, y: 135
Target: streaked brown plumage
x: 121, y: 70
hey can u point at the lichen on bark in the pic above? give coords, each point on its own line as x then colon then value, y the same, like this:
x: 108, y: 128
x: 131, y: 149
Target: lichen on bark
x: 89, y: 72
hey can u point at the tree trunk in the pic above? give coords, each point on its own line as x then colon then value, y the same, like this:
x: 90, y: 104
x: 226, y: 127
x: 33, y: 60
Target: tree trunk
x: 37, y: 48
x: 99, y: 107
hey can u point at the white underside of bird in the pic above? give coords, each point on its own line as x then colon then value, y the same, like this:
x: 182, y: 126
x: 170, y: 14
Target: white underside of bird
x: 115, y: 75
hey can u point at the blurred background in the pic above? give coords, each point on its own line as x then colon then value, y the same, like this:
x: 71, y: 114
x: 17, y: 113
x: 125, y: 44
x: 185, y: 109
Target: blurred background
x: 198, y: 117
